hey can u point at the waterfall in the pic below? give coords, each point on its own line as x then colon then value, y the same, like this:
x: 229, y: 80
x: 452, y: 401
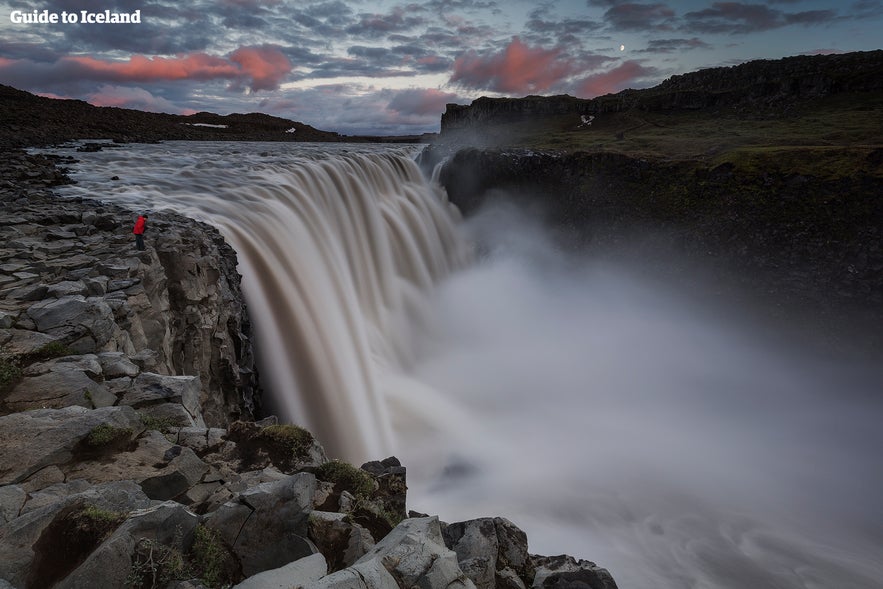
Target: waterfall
x: 337, y: 255
x: 610, y: 414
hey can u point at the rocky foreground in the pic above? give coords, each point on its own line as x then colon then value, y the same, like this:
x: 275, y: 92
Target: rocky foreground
x: 130, y: 455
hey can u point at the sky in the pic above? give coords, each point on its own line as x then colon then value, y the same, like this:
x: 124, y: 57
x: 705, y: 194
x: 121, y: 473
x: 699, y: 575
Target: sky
x: 389, y: 67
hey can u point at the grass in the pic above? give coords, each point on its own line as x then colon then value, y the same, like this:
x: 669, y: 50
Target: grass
x: 830, y: 137
x: 106, y: 434
x: 211, y: 558
x: 160, y: 424
x: 49, y: 351
x: 291, y: 438
x: 9, y: 375
x: 347, y: 477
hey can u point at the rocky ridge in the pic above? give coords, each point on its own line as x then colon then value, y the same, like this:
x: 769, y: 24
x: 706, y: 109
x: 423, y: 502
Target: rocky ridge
x: 754, y: 85
x: 130, y: 457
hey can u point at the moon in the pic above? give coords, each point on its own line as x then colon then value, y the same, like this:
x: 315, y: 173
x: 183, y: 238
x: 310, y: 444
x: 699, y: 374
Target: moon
x: 622, y: 47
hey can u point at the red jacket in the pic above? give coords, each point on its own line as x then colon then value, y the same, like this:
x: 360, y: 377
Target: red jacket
x: 139, y: 225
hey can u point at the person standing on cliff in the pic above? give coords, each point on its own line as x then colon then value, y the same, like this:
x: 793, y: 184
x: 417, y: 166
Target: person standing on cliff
x: 140, y: 227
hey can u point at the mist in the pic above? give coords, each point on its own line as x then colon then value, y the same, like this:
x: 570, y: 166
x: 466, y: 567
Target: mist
x: 622, y: 419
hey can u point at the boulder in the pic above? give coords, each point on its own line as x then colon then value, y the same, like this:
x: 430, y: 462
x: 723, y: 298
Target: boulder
x: 33, y: 440
x: 33, y: 544
x: 87, y: 322
x: 56, y: 389
x: 299, y: 573
x: 341, y: 541
x: 266, y: 526
x: 565, y: 572
x: 163, y: 531
x: 116, y: 365
x: 367, y: 575
x: 414, y: 553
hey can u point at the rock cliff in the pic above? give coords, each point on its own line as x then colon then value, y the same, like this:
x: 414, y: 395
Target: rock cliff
x: 129, y: 454
x: 752, y: 85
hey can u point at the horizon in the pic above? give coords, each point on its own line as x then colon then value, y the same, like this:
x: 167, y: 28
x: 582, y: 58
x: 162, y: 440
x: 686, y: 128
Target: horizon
x: 391, y: 67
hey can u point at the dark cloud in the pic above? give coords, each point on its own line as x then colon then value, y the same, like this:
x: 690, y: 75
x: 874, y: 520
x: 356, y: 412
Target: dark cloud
x: 542, y: 27
x: 673, y: 45
x: 629, y: 16
x: 421, y: 102
x: 738, y: 17
x: 397, y: 20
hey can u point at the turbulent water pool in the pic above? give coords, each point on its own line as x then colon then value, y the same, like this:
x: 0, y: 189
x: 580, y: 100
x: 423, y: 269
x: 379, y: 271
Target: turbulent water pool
x: 603, y: 412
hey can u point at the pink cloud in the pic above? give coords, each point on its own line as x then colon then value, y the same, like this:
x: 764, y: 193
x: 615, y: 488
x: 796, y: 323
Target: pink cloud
x: 259, y: 68
x: 420, y: 102
x: 516, y: 69
x: 266, y: 66
x: 619, y: 78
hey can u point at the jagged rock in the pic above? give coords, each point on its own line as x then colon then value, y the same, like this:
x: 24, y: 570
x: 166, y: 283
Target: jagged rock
x: 367, y: 575
x: 172, y: 413
x: 341, y: 541
x: 299, y: 573
x: 67, y: 288
x: 266, y: 526
x: 164, y: 470
x: 56, y: 389
x: 86, y: 363
x: 7, y: 319
x: 491, y: 551
x: 566, y: 572
x: 168, y: 524
x: 392, y: 484
x: 20, y: 342
x: 12, y: 499
x: 151, y: 389
x: 34, y: 439
x: 30, y: 543
x: 116, y: 365
x: 88, y: 323
x: 415, y: 554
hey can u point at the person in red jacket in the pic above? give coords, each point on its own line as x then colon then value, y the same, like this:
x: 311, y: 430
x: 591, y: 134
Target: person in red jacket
x: 140, y: 227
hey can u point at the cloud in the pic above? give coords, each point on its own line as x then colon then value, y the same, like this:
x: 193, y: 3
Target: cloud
x: 516, y: 69
x: 738, y: 17
x: 260, y: 68
x: 630, y: 16
x: 264, y: 67
x: 673, y: 45
x: 133, y: 97
x: 420, y: 102
x: 612, y: 81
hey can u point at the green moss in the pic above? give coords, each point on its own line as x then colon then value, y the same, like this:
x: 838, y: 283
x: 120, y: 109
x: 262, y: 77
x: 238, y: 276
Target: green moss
x: 106, y: 434
x: 9, y: 375
x: 292, y: 438
x: 347, y: 477
x: 160, y: 424
x: 49, y: 351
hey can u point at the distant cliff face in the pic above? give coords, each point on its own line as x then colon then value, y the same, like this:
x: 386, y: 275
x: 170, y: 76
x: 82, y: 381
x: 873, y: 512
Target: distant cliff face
x: 757, y: 84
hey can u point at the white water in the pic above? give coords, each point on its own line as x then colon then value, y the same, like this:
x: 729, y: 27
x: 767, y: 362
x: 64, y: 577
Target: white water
x: 602, y: 412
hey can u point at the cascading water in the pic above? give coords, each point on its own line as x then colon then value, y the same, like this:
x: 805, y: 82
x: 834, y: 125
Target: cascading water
x: 606, y: 414
x: 337, y: 257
